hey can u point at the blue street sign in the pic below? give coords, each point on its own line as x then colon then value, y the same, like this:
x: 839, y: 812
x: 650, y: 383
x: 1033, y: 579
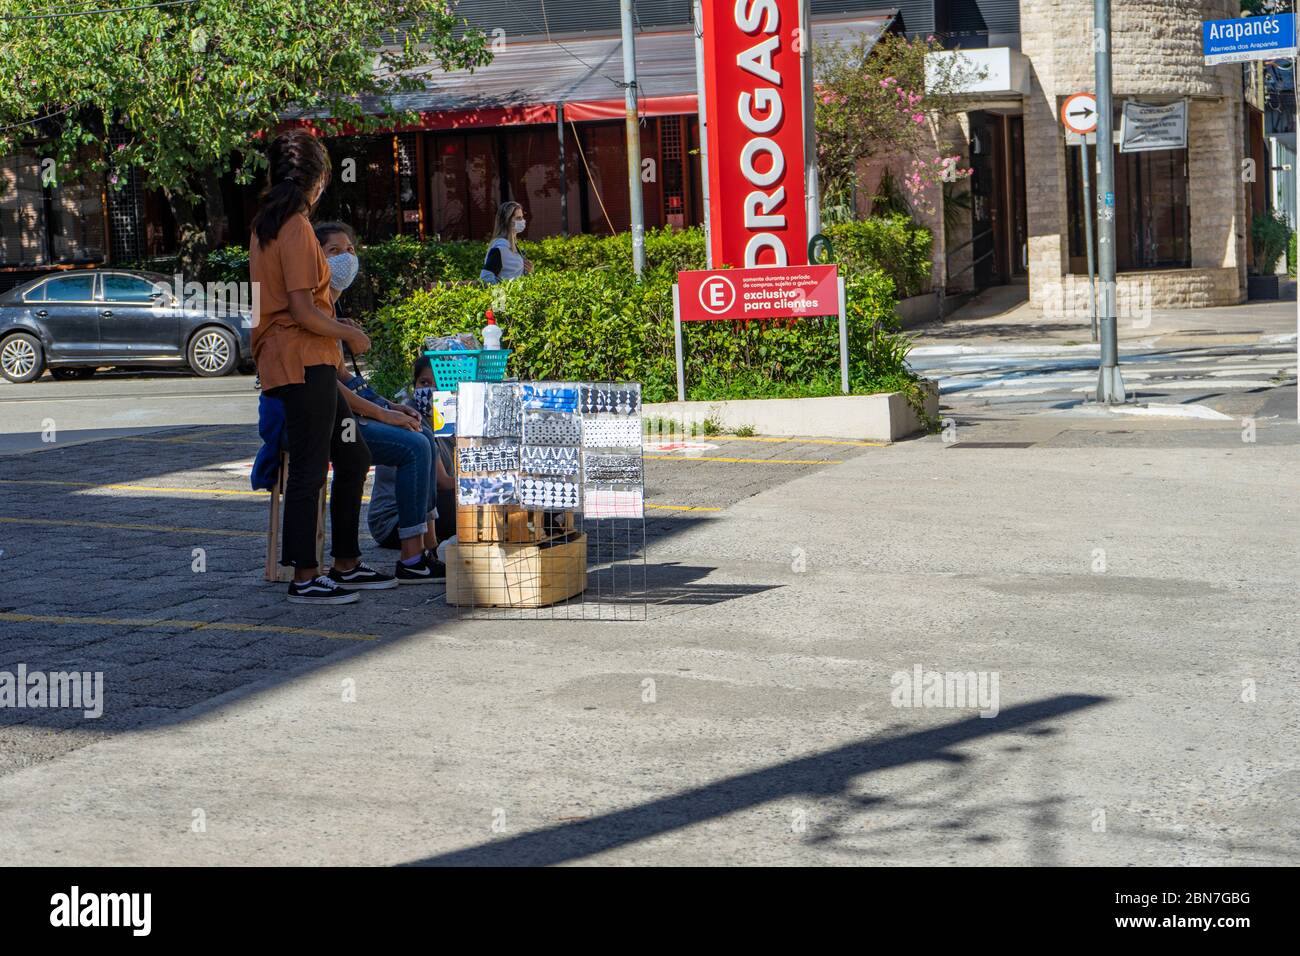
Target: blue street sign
x: 1249, y: 38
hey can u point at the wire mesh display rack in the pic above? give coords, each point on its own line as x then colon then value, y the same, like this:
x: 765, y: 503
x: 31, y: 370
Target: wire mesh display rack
x: 550, y: 502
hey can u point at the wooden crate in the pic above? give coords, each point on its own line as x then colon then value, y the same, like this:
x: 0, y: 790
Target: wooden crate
x: 498, y: 523
x: 489, y: 574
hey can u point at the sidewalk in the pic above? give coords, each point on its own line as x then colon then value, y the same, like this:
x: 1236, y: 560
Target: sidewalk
x: 1001, y: 316
x: 753, y: 724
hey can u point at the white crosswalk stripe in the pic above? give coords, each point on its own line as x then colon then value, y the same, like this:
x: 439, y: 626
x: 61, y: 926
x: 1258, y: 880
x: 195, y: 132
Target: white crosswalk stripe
x: 1068, y: 373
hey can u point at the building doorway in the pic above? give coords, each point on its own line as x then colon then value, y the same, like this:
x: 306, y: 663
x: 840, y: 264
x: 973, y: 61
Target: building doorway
x: 999, y: 228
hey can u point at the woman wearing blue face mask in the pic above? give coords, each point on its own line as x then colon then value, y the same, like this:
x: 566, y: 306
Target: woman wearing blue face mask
x: 402, y: 447
x: 504, y: 261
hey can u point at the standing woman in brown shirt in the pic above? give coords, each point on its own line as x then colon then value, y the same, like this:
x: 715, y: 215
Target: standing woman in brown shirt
x: 296, y: 348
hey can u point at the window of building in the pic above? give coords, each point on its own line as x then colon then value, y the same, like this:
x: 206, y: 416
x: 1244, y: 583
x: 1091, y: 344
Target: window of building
x: 1152, y: 213
x: 362, y: 185
x: 49, y: 222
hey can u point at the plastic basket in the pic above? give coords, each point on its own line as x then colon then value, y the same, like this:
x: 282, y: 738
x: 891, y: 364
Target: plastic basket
x: 492, y: 365
x: 453, y: 366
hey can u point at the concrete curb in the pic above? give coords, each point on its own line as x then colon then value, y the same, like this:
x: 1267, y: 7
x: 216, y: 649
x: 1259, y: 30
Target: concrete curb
x: 883, y: 417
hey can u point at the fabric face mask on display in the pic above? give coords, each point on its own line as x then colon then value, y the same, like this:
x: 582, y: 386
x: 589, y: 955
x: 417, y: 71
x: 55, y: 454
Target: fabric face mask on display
x: 343, y: 269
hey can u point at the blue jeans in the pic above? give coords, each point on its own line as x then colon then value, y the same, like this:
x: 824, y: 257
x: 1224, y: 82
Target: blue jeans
x: 409, y: 489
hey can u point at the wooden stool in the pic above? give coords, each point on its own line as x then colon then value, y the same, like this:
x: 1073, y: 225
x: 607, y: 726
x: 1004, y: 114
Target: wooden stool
x: 274, y: 570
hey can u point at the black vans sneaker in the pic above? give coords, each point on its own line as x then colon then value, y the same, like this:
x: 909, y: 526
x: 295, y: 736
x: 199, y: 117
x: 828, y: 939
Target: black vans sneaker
x: 319, y: 590
x: 423, y: 572
x: 362, y: 578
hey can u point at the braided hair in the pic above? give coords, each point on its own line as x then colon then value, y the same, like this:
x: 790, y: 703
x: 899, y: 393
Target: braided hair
x: 296, y: 162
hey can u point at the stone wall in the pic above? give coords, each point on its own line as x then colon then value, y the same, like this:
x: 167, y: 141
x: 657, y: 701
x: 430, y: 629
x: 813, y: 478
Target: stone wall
x: 1157, y: 53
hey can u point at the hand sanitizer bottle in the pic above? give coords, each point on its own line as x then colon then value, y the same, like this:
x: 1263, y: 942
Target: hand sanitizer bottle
x: 491, y: 332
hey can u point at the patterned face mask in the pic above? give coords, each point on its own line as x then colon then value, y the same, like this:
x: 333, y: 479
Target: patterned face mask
x: 611, y: 432
x: 488, y: 458
x: 548, y: 493
x: 343, y: 269
x: 423, y: 399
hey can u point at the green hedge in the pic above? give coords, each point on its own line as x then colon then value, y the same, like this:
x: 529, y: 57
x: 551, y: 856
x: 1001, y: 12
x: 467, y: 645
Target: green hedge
x: 581, y: 315
x: 394, y: 268
x: 603, y: 325
x: 894, y: 244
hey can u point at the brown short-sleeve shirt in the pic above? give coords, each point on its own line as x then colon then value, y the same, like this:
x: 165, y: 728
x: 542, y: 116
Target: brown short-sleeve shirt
x: 291, y: 262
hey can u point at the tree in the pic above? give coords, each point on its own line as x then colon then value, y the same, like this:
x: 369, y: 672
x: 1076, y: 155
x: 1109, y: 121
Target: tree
x: 197, y: 85
x: 875, y: 100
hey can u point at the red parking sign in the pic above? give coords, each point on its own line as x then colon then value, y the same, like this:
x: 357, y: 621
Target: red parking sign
x: 776, y: 292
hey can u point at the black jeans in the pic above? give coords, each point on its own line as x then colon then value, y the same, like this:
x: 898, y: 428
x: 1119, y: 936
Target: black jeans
x: 319, y: 429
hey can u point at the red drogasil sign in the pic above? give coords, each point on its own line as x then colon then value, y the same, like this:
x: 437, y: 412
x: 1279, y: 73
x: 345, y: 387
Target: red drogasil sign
x: 753, y: 96
x: 792, y: 292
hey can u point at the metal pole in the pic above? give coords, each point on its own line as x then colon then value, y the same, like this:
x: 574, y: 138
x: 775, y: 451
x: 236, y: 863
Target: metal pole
x: 812, y: 188
x: 1110, y: 384
x: 564, y: 177
x: 677, y: 340
x: 844, y: 338
x: 1087, y: 232
x: 704, y: 130
x: 633, y: 139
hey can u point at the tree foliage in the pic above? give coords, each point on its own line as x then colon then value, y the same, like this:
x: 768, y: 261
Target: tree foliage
x: 876, y: 101
x: 195, y: 86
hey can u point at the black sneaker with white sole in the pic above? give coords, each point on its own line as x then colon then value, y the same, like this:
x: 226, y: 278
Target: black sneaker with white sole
x: 362, y: 578
x: 319, y: 590
x: 423, y: 572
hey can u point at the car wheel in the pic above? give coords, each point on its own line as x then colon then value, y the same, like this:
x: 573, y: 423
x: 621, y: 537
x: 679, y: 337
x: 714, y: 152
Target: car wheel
x: 21, y: 358
x: 64, y: 374
x: 212, y: 352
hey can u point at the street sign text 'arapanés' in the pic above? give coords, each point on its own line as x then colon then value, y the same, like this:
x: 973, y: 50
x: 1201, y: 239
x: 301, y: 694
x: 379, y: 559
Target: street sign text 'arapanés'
x: 753, y: 96
x: 1249, y: 38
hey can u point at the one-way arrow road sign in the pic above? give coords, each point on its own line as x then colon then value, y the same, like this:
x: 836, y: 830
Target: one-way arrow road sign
x: 1079, y: 113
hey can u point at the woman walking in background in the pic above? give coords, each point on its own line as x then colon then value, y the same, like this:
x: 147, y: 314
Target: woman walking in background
x: 296, y: 348
x: 504, y: 260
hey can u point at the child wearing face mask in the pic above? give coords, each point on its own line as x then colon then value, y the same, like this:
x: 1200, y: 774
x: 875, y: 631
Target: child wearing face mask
x: 504, y: 261
x: 408, y: 470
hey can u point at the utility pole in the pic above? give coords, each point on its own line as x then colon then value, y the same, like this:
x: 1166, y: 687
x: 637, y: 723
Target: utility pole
x: 704, y: 131
x: 1086, y: 173
x: 633, y: 139
x: 812, y: 187
x: 1110, y: 384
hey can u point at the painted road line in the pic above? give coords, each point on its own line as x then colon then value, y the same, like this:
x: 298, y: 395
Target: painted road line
x: 191, y: 441
x: 150, y: 488
x: 653, y: 507
x: 803, y: 441
x: 116, y: 526
x: 189, y: 625
x: 222, y: 491
x: 747, y: 461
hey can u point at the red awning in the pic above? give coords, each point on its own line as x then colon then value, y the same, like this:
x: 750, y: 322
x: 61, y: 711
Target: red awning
x: 616, y: 109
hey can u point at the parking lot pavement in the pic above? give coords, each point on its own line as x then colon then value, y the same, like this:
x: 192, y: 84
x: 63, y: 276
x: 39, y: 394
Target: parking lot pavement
x: 1135, y: 606
x: 141, y: 557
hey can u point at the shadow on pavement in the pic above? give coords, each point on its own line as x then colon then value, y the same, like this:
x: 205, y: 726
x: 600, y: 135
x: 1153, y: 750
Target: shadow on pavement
x: 826, y: 774
x: 92, y: 582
